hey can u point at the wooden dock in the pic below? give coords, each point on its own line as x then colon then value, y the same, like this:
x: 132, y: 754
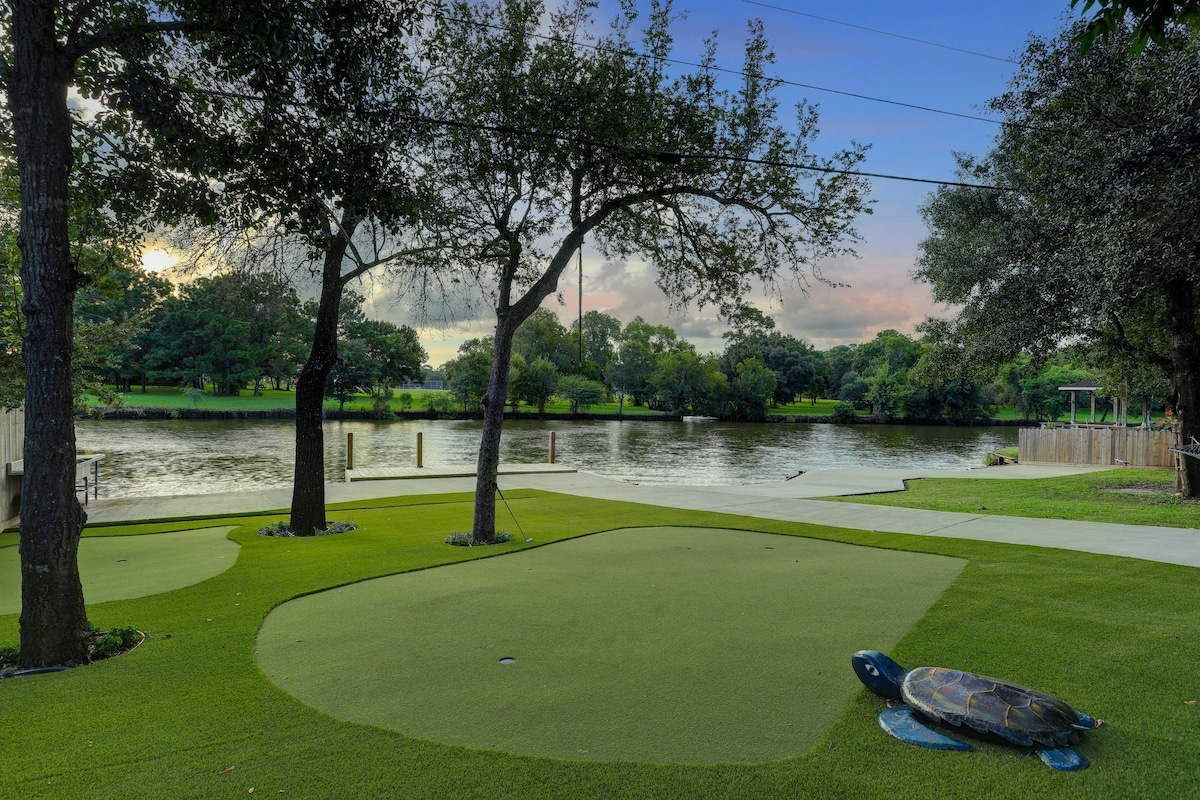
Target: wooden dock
x: 406, y: 473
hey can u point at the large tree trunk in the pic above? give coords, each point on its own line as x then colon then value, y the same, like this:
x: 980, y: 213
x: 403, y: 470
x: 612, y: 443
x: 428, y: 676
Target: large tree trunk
x: 308, y: 483
x: 509, y: 317
x: 1184, y: 345
x: 483, y: 529
x: 54, y: 624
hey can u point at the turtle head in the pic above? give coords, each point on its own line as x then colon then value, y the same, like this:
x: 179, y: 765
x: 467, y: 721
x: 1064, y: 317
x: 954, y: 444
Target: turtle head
x: 879, y: 673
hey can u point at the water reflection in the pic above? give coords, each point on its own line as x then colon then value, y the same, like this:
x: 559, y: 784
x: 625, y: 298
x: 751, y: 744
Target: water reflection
x: 164, y: 457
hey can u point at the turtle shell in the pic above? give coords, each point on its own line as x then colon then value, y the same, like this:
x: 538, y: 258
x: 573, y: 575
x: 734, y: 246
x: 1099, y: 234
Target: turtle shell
x: 986, y: 705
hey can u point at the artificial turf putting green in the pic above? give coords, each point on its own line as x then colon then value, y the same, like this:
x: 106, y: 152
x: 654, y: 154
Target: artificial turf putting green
x: 123, y: 567
x: 644, y: 644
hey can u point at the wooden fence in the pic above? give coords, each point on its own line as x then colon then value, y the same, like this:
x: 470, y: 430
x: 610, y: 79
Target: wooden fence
x: 12, y: 436
x: 1132, y: 447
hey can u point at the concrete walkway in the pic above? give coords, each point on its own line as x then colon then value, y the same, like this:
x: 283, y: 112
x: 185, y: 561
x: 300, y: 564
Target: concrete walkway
x: 785, y: 500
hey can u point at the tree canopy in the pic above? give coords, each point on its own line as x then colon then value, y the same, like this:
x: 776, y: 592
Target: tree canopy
x: 1152, y: 19
x: 1095, y: 237
x: 313, y: 177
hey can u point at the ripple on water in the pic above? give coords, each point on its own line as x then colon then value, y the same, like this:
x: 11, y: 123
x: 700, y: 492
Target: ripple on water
x: 165, y: 457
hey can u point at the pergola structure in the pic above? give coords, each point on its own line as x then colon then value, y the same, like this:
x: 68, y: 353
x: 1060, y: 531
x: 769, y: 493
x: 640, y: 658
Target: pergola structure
x: 1091, y: 388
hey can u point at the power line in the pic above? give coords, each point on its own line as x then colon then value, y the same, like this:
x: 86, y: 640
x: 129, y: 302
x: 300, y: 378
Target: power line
x: 880, y: 32
x: 899, y: 103
x: 856, y: 173
x: 668, y: 157
x: 663, y: 156
x: 726, y: 70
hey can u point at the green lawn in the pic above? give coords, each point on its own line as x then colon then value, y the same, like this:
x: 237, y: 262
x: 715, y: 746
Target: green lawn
x: 558, y: 406
x: 190, y: 713
x: 270, y: 399
x: 805, y: 408
x: 1130, y: 496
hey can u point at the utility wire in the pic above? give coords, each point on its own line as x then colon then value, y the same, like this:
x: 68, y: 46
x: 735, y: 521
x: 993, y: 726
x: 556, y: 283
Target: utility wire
x: 668, y: 157
x: 654, y: 154
x: 714, y: 68
x: 881, y: 33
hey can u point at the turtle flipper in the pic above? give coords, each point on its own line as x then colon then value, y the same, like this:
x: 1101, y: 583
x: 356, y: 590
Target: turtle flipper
x: 1012, y: 737
x: 900, y: 722
x: 1063, y: 759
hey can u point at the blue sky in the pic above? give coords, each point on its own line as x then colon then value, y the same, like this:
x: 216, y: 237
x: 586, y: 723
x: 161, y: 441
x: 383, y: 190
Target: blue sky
x: 903, y: 142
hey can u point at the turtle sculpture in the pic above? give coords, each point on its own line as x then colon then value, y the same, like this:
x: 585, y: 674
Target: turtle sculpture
x: 976, y: 704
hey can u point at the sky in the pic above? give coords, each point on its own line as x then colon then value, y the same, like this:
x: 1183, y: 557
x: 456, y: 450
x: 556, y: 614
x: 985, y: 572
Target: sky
x: 903, y: 141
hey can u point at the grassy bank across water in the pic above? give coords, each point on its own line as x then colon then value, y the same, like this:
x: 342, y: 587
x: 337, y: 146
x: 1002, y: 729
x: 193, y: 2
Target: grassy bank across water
x: 191, y: 714
x: 271, y: 399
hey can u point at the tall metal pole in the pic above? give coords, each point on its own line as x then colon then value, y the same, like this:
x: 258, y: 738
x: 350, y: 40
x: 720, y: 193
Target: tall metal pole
x: 581, y: 306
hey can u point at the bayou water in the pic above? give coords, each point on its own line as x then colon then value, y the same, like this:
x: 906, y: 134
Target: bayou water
x: 166, y: 457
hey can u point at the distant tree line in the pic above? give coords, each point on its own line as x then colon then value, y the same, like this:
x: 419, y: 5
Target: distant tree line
x: 893, y: 376
x: 246, y: 331
x: 231, y: 332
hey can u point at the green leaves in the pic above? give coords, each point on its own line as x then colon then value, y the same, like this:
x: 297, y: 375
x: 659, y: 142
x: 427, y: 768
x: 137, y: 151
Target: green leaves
x: 1153, y: 20
x: 546, y: 140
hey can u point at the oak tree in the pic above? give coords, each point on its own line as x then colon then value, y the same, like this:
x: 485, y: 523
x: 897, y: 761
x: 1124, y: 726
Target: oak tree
x: 1093, y: 232
x: 547, y: 135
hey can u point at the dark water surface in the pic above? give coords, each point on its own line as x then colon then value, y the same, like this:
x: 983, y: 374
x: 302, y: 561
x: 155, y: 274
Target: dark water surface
x: 166, y: 457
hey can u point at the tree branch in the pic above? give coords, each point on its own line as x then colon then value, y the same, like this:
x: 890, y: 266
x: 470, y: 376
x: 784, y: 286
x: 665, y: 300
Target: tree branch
x: 366, y: 266
x: 75, y: 50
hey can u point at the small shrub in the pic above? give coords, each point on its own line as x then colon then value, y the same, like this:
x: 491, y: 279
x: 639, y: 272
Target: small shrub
x: 102, y: 645
x: 440, y: 403
x: 277, y: 528
x: 280, y: 528
x: 460, y: 539
x: 381, y: 403
x: 116, y: 640
x: 128, y: 634
x: 195, y: 395
x: 843, y: 413
x: 106, y: 646
x: 406, y: 400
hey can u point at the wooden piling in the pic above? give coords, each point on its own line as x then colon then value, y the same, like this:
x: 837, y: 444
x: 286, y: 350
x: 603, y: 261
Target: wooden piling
x: 420, y: 449
x: 551, y: 447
